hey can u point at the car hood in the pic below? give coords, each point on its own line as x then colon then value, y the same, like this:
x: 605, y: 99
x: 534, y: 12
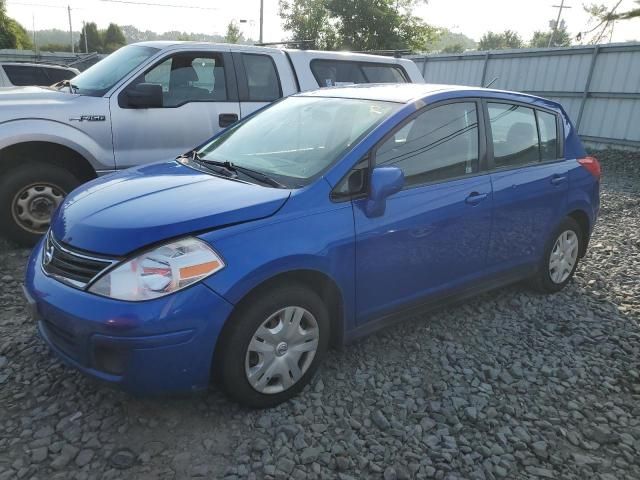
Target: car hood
x: 125, y: 211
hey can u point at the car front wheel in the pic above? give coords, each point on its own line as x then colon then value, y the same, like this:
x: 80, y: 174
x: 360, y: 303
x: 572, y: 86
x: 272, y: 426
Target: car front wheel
x: 275, y: 344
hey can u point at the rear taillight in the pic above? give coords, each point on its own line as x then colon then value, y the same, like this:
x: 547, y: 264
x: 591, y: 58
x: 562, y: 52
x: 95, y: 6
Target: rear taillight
x: 591, y: 164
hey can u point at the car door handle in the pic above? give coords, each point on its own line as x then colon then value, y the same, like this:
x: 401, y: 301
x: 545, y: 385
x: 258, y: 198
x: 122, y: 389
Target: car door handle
x: 226, y: 119
x: 475, y: 198
x: 558, y: 179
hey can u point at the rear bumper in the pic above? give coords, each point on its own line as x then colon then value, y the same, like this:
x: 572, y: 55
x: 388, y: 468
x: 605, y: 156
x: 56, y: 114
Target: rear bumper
x: 152, y: 347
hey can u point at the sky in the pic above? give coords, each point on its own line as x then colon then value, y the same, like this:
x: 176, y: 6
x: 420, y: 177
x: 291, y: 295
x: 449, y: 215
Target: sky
x: 471, y: 17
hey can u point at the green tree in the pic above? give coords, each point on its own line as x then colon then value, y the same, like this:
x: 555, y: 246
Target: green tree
x: 561, y: 37
x: 55, y: 47
x: 113, y: 39
x: 357, y: 24
x: 94, y: 38
x: 499, y: 41
x: 453, y: 48
x: 12, y: 34
x: 309, y: 20
x: 604, y: 19
x: 233, y: 33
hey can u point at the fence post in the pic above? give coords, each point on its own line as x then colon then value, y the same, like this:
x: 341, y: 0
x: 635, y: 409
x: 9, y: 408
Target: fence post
x: 587, y: 85
x: 484, y: 69
x: 424, y: 66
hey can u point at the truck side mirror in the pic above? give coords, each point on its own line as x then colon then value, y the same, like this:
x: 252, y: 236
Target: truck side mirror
x: 144, y: 95
x: 385, y: 181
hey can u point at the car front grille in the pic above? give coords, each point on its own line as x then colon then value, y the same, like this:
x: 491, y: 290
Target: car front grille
x: 71, y: 266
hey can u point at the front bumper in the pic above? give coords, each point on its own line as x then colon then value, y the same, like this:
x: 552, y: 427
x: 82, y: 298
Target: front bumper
x: 153, y: 347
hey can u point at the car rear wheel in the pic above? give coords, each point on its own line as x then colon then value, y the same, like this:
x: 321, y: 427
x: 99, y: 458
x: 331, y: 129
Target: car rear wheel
x: 29, y: 195
x: 275, y: 344
x: 560, y: 258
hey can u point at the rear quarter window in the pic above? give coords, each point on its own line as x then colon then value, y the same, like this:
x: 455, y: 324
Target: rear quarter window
x: 24, y: 75
x: 58, y: 74
x: 329, y: 73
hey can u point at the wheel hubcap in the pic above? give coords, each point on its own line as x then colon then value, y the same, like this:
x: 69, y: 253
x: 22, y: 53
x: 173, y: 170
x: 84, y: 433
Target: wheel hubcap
x: 281, y: 350
x: 33, y: 206
x: 563, y: 256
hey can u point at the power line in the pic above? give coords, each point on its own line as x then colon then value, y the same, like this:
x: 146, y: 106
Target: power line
x: 153, y: 4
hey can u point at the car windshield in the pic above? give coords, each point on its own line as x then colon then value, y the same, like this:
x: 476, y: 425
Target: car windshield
x: 297, y: 139
x: 98, y: 80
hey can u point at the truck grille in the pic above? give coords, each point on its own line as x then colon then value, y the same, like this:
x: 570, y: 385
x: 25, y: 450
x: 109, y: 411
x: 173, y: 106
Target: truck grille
x: 70, y: 266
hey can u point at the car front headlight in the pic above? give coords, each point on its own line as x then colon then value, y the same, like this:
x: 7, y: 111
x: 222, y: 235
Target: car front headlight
x: 159, y: 271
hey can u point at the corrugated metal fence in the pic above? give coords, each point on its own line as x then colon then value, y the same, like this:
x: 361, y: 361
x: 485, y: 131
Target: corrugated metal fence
x: 599, y: 86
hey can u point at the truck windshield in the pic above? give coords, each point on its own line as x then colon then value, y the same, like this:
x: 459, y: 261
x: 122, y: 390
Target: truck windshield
x: 298, y: 138
x: 98, y: 80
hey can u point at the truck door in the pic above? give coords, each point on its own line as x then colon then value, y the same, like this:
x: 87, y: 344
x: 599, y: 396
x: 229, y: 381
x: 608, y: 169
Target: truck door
x: 199, y: 98
x: 262, y: 78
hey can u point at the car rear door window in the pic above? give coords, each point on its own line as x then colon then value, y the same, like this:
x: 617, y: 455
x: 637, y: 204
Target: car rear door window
x: 515, y: 135
x: 24, y: 75
x: 548, y: 128
x: 439, y: 144
x: 329, y: 73
x: 262, y: 78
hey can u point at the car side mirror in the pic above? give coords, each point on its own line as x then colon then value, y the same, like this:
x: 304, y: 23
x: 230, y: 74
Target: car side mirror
x: 144, y: 95
x: 385, y: 181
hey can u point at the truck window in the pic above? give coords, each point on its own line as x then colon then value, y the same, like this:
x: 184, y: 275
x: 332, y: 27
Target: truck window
x: 189, y: 77
x: 262, y: 78
x: 24, y: 75
x: 58, y: 74
x: 341, y: 72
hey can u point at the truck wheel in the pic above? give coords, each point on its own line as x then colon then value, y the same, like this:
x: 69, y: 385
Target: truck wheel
x: 29, y: 194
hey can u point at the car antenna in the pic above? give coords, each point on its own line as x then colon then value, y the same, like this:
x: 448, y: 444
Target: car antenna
x: 491, y: 82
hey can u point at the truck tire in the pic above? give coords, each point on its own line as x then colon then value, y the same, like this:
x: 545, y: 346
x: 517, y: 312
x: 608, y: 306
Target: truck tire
x: 29, y: 194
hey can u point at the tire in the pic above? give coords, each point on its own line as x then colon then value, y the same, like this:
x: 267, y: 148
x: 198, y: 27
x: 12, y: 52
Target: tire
x: 550, y: 279
x: 269, y: 311
x: 29, y: 195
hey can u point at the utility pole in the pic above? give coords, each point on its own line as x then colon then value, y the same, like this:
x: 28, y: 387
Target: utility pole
x: 555, y: 27
x: 70, y: 29
x: 33, y: 26
x: 84, y: 31
x: 261, y: 19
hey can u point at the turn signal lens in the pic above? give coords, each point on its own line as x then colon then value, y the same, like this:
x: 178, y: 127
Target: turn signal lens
x: 591, y: 164
x: 161, y: 271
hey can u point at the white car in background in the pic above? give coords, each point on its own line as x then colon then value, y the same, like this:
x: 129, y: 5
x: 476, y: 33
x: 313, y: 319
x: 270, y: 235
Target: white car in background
x: 20, y: 74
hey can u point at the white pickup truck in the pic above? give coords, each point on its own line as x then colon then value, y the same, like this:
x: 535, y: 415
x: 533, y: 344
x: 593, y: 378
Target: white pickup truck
x: 149, y: 101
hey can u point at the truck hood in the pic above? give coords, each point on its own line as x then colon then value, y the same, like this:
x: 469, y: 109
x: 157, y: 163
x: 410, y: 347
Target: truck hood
x: 31, y: 102
x: 123, y: 212
x: 34, y: 94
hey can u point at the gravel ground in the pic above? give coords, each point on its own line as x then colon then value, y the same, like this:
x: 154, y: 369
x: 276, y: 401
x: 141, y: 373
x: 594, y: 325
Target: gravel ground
x: 509, y: 385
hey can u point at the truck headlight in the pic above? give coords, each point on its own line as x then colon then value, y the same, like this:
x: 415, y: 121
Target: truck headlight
x: 159, y: 271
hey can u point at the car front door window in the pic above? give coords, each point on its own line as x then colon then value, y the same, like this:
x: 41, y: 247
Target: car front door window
x: 189, y: 77
x: 439, y: 144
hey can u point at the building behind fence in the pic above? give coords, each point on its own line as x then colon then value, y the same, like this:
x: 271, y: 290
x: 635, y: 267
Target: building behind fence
x: 598, y: 85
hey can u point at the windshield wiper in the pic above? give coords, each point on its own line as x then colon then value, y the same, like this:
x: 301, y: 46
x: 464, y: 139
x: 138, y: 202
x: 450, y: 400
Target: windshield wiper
x: 232, y: 167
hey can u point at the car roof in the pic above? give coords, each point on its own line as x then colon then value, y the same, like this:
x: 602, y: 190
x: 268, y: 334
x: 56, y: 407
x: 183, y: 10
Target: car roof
x: 412, y: 92
x: 31, y: 64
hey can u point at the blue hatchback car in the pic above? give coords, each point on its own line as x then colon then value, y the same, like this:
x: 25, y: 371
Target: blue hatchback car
x: 313, y: 222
